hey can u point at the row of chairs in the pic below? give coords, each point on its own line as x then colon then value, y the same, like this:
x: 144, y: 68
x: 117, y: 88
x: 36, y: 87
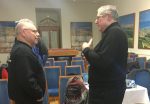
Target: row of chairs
x: 143, y: 63
x: 54, y: 69
x: 141, y: 77
x: 53, y: 73
x: 63, y: 63
x: 50, y: 61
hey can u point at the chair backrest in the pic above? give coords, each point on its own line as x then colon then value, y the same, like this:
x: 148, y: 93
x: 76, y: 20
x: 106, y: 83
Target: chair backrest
x: 132, y: 65
x: 76, y: 58
x: 49, y: 62
x: 62, y: 64
x: 4, y: 98
x: 52, y: 77
x: 132, y: 55
x: 73, y: 70
x: 62, y: 87
x: 147, y: 65
x: 130, y: 60
x: 141, y: 61
x: 79, y: 62
x: 141, y: 77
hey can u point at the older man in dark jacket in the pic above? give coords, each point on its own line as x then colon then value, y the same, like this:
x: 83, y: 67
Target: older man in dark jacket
x: 26, y: 80
x: 108, y: 60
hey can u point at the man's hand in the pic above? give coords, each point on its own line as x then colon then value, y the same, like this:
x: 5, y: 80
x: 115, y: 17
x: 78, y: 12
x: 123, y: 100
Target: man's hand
x: 85, y: 44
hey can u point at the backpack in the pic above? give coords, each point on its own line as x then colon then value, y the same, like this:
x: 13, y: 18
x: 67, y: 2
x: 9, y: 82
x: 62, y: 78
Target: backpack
x: 76, y: 93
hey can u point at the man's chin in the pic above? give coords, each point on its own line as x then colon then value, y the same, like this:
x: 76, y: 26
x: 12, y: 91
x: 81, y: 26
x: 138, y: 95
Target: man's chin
x: 36, y: 42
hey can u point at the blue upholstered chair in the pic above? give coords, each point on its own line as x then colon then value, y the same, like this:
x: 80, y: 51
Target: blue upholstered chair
x: 52, y: 77
x: 130, y: 60
x: 4, y: 98
x: 79, y: 62
x: 62, y: 87
x: 141, y: 61
x: 132, y: 55
x: 77, y: 58
x: 62, y: 64
x: 147, y: 65
x: 73, y: 70
x: 49, y: 62
x: 141, y: 77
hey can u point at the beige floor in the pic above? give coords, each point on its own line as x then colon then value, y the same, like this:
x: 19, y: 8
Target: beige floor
x: 53, y: 100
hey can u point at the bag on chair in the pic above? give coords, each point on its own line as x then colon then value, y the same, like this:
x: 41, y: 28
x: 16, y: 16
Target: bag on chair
x: 76, y: 93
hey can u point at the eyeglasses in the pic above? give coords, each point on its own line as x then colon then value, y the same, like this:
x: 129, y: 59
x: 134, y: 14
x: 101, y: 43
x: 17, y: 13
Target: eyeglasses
x: 98, y: 17
x: 35, y: 31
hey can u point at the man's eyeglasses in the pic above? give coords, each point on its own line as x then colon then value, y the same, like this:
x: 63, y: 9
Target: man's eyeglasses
x: 35, y: 31
x: 98, y: 17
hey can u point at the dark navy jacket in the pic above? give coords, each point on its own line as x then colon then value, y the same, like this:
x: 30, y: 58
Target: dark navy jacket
x: 26, y: 80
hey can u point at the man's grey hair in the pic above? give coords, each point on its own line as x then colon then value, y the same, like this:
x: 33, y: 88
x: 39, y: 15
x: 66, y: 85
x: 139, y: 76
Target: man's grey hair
x: 108, y: 9
x: 21, y: 24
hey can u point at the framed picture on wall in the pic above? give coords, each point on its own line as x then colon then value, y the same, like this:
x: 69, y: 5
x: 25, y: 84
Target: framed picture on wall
x: 7, y: 35
x: 80, y: 32
x: 128, y: 24
x: 144, y: 30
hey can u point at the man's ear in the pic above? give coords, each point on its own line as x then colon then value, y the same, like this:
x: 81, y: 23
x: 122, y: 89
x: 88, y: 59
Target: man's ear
x: 23, y: 32
x: 109, y: 17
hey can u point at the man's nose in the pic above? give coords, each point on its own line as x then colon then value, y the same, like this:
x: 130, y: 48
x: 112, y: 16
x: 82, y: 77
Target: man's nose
x: 37, y: 34
x: 96, y: 21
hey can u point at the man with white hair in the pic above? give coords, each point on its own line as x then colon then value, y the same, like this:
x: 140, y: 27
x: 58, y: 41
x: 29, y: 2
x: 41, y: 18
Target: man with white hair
x: 26, y: 80
x: 108, y: 60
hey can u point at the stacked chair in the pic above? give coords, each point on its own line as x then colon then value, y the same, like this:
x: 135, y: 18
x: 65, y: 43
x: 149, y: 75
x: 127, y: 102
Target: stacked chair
x: 141, y: 61
x: 50, y: 62
x: 79, y: 62
x: 52, y: 77
x: 73, y: 70
x: 77, y: 58
x: 58, y: 72
x: 141, y: 77
x: 62, y: 64
x: 4, y: 98
x: 147, y: 65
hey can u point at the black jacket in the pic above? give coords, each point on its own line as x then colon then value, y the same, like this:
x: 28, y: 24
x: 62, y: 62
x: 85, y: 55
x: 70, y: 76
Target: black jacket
x: 26, y: 80
x: 108, y: 60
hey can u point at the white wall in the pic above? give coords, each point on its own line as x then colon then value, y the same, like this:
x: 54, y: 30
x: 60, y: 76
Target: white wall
x: 132, y: 6
x: 12, y: 10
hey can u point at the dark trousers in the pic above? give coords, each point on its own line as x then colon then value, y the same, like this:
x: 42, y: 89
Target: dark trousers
x: 106, y: 95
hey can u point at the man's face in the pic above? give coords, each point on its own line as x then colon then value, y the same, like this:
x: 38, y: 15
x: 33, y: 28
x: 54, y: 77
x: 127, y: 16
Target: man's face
x: 101, y: 22
x: 31, y: 34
